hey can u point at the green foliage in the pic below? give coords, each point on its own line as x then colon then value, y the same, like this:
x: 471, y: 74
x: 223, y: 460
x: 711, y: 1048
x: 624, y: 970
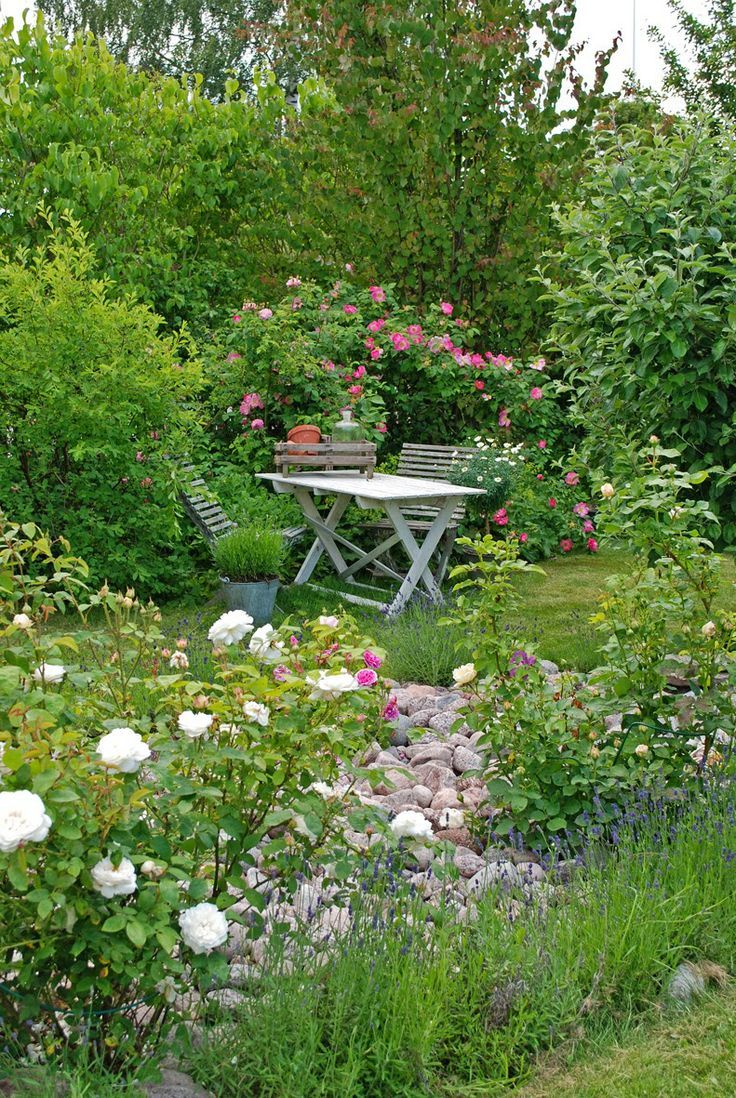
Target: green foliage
x: 250, y: 553
x: 419, y: 648
x: 706, y: 75
x: 215, y: 769
x: 93, y: 402
x: 220, y: 42
x: 642, y: 294
x: 446, y: 145
x: 407, y: 376
x: 173, y: 190
x: 389, y: 1016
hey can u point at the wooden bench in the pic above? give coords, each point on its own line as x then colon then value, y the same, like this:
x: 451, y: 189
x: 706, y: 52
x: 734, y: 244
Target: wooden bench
x: 427, y: 462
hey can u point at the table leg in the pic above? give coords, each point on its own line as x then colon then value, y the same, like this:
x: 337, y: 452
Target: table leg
x: 420, y: 555
x: 323, y: 542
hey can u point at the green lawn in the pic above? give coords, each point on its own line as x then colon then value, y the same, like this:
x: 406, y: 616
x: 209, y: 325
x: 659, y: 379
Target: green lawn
x: 686, y: 1055
x: 553, y: 616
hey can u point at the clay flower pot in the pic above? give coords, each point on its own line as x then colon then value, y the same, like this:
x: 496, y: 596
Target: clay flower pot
x: 304, y: 432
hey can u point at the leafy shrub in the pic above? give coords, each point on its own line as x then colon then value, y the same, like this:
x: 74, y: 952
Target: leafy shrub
x: 249, y: 553
x: 94, y: 403
x: 642, y: 294
x: 557, y: 764
x: 131, y: 793
x: 407, y: 376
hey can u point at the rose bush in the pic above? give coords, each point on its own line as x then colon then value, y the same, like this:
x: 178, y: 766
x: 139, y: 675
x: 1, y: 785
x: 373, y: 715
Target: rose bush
x: 133, y: 798
x: 407, y: 376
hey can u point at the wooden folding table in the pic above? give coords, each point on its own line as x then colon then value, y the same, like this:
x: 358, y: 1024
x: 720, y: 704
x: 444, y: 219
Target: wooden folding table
x: 391, y: 494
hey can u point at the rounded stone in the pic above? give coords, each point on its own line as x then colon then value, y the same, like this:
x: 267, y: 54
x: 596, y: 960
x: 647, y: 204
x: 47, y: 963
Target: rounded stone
x: 464, y: 759
x: 468, y: 864
x: 435, y: 777
x: 445, y: 798
x: 502, y: 875
x: 422, y: 718
x: 423, y: 796
x: 434, y: 753
x: 399, y: 737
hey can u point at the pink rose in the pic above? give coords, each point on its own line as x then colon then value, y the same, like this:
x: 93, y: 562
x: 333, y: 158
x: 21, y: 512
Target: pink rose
x: 349, y: 310
x: 256, y: 424
x: 265, y: 314
x: 237, y: 318
x: 552, y: 502
x: 581, y: 509
x: 391, y: 711
x: 370, y: 659
x: 297, y: 303
x: 536, y: 393
x: 542, y: 444
x: 572, y: 479
x: 540, y: 476
x: 232, y: 357
x: 588, y: 527
x: 400, y: 342
x: 591, y: 545
x: 375, y: 326
x: 140, y: 456
x: 355, y: 390
x: 503, y: 418
x: 377, y: 293
x: 566, y: 545
x: 349, y: 268
x: 446, y: 308
x: 479, y: 385
x: 293, y: 283
x: 523, y: 538
x: 366, y: 677
x: 280, y: 673
x: 376, y: 353
x: 359, y: 373
x: 501, y: 517
x: 382, y: 428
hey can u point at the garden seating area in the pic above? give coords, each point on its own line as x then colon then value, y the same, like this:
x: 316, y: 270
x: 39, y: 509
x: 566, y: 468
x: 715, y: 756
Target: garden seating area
x: 367, y: 579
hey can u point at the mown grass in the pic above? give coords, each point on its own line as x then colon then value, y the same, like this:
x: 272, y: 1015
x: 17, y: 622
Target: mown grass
x: 683, y: 1055
x: 553, y: 616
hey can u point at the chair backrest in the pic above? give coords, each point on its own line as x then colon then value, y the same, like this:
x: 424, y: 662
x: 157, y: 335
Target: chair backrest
x: 428, y: 462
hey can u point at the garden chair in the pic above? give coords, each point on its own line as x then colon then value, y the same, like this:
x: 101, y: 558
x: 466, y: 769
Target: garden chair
x: 428, y: 462
x: 207, y: 514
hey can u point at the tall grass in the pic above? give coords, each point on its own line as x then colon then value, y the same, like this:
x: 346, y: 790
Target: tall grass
x: 402, y: 1012
x: 418, y: 648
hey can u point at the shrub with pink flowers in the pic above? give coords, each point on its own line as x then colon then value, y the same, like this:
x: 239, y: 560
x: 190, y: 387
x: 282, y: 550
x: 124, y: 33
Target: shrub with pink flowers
x: 424, y: 377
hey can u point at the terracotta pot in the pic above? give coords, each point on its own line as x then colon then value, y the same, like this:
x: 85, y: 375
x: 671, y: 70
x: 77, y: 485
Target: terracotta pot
x: 304, y: 432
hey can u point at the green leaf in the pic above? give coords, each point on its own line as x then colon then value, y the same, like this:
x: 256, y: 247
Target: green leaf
x: 136, y: 932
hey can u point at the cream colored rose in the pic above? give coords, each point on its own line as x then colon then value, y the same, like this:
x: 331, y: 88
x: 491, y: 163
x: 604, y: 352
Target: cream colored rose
x: 464, y: 674
x: 709, y: 629
x: 607, y: 490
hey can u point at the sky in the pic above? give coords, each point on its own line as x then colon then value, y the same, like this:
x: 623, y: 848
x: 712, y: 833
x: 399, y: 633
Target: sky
x: 597, y: 23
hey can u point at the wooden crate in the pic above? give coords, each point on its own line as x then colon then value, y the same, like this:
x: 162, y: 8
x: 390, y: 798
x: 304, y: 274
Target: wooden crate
x: 325, y: 456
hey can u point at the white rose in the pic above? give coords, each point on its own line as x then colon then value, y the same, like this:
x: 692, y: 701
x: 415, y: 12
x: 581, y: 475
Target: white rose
x: 203, y: 928
x: 3, y: 769
x: 23, y: 621
x: 329, y: 620
x: 231, y: 627
x: 194, y: 725
x: 676, y: 512
x: 179, y: 661
x: 49, y: 673
x: 709, y: 629
x: 464, y: 674
x: 256, y: 713
x: 109, y: 881
x: 607, y: 490
x: 263, y: 646
x: 452, y: 817
x: 642, y: 750
x: 152, y: 870
x: 23, y: 819
x: 328, y: 687
x: 123, y: 750
x: 411, y: 825
x: 324, y: 789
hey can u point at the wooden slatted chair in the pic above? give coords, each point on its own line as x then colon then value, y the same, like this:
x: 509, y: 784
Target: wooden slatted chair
x: 207, y: 514
x: 427, y: 462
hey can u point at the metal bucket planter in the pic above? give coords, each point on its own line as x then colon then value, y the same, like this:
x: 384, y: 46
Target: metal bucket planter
x: 257, y: 599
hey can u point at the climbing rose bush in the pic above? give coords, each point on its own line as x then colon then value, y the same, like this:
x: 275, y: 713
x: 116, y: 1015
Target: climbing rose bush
x: 133, y: 798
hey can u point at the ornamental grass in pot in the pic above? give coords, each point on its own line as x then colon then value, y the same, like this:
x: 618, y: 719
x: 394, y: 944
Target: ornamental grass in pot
x: 249, y: 561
